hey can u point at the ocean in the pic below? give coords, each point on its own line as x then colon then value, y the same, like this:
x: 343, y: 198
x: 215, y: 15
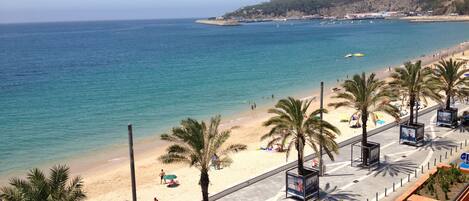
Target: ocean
x: 70, y: 88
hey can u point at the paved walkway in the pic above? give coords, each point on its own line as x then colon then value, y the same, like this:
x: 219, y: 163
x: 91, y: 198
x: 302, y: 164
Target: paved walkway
x: 398, y: 161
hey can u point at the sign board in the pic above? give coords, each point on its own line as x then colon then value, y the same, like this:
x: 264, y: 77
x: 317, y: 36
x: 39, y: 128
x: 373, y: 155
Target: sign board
x: 374, y: 155
x: 412, y: 134
x: 445, y: 116
x: 408, y: 134
x: 295, y: 185
x: 312, y: 185
x: 465, y: 157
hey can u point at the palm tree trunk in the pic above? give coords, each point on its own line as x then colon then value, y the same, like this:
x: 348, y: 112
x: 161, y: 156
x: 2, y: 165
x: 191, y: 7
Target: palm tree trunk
x: 364, y: 137
x: 411, y: 109
x: 448, y: 101
x: 300, y: 150
x: 204, y: 181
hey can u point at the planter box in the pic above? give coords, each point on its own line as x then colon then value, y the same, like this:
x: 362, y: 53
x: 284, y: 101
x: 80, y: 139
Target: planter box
x: 465, y: 120
x: 420, y: 183
x: 304, y: 186
x: 371, y: 152
x: 447, y: 117
x: 413, y: 134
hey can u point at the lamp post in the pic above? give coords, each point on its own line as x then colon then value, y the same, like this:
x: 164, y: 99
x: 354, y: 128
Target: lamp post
x: 321, y: 169
x: 132, y: 165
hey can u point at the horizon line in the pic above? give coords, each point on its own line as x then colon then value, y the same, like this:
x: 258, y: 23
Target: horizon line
x: 99, y: 20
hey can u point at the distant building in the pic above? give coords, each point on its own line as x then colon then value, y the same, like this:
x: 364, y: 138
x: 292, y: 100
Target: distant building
x: 363, y: 16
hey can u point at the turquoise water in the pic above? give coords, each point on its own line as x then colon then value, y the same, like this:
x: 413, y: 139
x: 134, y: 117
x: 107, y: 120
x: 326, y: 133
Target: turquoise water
x: 69, y: 88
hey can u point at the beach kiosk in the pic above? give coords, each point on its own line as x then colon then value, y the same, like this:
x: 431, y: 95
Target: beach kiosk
x: 412, y: 134
x: 446, y: 117
x: 304, y: 186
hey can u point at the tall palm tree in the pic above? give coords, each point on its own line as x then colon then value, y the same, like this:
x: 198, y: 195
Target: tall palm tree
x: 195, y: 143
x: 450, y: 78
x: 56, y: 187
x: 293, y: 126
x: 414, y: 82
x: 366, y: 95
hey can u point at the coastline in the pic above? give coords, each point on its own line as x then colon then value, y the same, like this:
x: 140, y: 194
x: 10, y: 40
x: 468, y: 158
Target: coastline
x: 147, y: 149
x: 245, y: 119
x: 218, y: 22
x: 437, y: 18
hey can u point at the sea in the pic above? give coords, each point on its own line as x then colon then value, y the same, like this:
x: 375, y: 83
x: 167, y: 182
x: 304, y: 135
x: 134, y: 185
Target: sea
x: 71, y: 88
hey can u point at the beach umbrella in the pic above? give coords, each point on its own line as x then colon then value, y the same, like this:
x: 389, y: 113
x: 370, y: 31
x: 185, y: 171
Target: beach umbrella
x: 170, y: 176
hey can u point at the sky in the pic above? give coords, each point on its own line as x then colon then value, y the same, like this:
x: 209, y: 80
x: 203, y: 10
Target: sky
x: 14, y: 11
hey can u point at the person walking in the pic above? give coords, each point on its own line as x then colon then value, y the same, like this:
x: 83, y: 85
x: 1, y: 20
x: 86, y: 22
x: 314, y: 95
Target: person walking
x: 162, y: 174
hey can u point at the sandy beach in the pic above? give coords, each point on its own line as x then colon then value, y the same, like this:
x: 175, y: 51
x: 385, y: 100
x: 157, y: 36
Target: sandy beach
x: 110, y: 180
x: 438, y: 18
x: 107, y: 176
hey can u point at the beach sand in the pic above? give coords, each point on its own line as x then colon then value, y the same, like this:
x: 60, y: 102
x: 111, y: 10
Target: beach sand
x: 110, y: 180
x: 438, y: 18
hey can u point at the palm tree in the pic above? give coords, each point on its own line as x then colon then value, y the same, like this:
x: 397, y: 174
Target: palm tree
x: 56, y: 187
x: 366, y: 95
x: 450, y: 78
x: 416, y: 83
x: 293, y: 126
x: 195, y: 143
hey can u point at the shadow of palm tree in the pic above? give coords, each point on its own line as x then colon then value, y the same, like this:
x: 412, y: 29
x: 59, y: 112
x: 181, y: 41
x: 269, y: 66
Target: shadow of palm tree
x: 438, y: 144
x: 335, y: 194
x: 392, y: 168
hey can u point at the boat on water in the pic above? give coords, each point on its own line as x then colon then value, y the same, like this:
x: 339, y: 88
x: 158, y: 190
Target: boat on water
x: 354, y: 55
x: 358, y: 55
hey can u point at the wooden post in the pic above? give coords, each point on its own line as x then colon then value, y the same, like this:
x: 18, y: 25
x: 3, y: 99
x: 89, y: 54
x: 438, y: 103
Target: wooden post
x: 321, y: 170
x: 132, y: 165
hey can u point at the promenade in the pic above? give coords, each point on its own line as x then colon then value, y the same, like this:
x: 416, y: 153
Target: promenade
x: 399, y: 163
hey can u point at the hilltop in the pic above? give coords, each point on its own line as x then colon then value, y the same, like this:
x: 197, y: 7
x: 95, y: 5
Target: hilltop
x: 292, y: 8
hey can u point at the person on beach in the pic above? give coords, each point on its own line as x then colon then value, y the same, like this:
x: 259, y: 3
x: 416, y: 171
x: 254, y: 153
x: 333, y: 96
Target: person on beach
x: 252, y: 107
x: 272, y: 96
x: 162, y: 177
x: 215, y: 162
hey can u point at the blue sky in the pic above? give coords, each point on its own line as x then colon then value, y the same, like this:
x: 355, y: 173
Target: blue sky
x: 77, y: 10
